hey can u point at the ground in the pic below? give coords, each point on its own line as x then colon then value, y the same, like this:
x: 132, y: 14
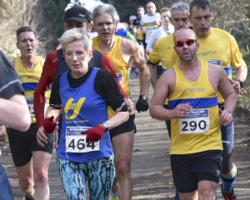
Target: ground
x: 151, y: 173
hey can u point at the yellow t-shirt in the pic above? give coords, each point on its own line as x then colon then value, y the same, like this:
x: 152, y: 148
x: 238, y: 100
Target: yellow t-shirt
x: 201, y: 130
x: 220, y: 48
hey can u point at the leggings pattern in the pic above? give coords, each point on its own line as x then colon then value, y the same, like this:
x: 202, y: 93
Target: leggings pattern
x: 99, y: 174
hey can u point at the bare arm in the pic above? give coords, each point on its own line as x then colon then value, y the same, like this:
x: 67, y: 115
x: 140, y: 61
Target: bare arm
x: 141, y: 65
x: 15, y: 112
x: 163, y: 90
x: 226, y: 90
x: 117, y: 119
x: 153, y: 74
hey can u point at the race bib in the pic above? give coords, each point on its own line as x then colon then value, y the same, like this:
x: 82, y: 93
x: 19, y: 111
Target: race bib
x: 76, y: 142
x: 120, y: 78
x: 215, y: 62
x: 197, y: 121
x: 30, y: 102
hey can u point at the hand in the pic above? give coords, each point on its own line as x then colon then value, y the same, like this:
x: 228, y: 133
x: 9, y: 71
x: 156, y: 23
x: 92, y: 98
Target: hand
x: 182, y: 110
x: 94, y: 134
x: 236, y: 86
x: 225, y: 117
x: 48, y: 125
x: 41, y: 137
x: 130, y: 105
x: 2, y: 133
x: 142, y: 104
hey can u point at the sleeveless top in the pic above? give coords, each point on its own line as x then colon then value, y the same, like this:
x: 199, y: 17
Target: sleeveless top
x: 30, y: 79
x: 201, y: 130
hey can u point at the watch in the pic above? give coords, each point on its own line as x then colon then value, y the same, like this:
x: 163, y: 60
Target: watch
x: 241, y: 83
x: 105, y: 125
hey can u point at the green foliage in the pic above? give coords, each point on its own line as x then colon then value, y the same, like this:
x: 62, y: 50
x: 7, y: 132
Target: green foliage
x: 244, y: 98
x: 53, y: 13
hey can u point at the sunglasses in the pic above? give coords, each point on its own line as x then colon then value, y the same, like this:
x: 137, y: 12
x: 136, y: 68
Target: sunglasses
x: 187, y: 42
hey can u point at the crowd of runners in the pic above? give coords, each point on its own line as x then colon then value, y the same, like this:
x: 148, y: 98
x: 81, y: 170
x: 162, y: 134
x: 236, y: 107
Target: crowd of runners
x: 79, y: 101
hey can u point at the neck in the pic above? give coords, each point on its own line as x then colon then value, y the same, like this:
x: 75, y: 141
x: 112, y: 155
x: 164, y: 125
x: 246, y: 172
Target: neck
x: 165, y: 27
x: 189, y: 66
x: 106, y: 46
x: 29, y: 62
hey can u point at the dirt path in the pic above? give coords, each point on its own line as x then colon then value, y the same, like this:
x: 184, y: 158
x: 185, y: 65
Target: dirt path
x: 152, y: 178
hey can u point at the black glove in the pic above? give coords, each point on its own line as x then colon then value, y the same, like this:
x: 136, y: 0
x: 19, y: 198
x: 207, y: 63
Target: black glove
x: 142, y: 103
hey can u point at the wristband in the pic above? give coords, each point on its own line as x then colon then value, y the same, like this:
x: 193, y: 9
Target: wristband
x: 241, y: 83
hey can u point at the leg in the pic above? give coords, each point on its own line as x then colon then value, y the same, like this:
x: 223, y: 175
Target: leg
x: 25, y: 177
x: 207, y: 190
x: 123, y: 148
x: 41, y: 162
x: 101, y: 173
x: 189, y: 195
x: 229, y: 172
x: 5, y: 188
x: 73, y: 179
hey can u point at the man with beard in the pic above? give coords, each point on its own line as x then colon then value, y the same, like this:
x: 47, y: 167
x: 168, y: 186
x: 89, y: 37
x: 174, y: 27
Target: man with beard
x: 191, y: 87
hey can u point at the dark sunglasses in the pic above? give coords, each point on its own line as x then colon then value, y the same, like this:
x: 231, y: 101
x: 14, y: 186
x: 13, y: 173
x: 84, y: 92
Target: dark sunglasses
x: 187, y: 42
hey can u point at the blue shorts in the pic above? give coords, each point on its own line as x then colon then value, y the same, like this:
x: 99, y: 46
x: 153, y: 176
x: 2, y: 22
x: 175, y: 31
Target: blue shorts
x: 227, y: 133
x: 5, y: 188
x: 99, y: 174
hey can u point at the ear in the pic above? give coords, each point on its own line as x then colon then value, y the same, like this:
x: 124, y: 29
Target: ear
x: 171, y: 20
x: 89, y: 27
x: 212, y: 16
x: 90, y: 55
x: 17, y: 45
x: 64, y: 26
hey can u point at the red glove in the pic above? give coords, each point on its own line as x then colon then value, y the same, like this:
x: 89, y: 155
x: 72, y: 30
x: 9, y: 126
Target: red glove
x: 94, y: 134
x: 48, y: 125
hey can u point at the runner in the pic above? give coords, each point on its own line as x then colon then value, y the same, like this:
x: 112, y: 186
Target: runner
x: 196, y: 148
x: 120, y: 51
x: 220, y: 47
x: 83, y: 93
x: 31, y: 161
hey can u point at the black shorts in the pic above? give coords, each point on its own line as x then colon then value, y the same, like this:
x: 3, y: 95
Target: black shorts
x: 127, y: 126
x: 189, y: 170
x: 142, y: 42
x: 23, y: 143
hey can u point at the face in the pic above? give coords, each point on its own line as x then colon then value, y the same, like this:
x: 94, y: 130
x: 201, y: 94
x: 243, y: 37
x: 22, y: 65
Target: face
x: 77, y: 58
x: 105, y: 27
x: 151, y: 9
x: 165, y: 18
x: 186, y: 46
x: 140, y: 12
x: 27, y: 44
x: 179, y: 19
x: 75, y: 24
x: 201, y: 21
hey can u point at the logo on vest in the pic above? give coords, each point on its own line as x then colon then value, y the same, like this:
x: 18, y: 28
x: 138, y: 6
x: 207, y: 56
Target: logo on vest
x: 73, y: 108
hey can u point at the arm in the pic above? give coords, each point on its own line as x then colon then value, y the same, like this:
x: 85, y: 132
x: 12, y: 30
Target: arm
x: 153, y: 73
x: 226, y: 90
x: 151, y: 41
x: 49, y: 70
x: 164, y: 89
x: 54, y: 111
x: 139, y: 62
x: 15, y: 112
x: 13, y: 106
x: 241, y: 75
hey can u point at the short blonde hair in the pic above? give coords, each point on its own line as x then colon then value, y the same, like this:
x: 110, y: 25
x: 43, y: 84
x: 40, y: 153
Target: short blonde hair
x: 76, y: 34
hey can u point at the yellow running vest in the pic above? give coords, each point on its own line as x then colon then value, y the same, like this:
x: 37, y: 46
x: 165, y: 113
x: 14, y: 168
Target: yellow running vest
x: 30, y: 79
x: 121, y: 67
x: 201, y: 130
